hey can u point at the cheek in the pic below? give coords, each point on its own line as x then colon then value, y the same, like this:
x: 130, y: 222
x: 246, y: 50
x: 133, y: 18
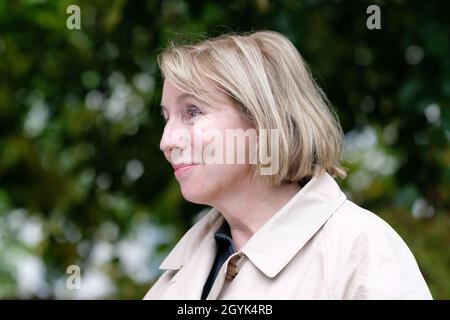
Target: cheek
x: 205, y: 137
x: 229, y: 179
x: 209, y: 180
x: 211, y: 134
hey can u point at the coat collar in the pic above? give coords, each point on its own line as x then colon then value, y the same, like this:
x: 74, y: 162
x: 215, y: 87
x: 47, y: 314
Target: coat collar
x: 274, y: 245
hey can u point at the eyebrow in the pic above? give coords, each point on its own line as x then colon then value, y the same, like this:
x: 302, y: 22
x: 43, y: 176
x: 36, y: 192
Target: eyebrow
x: 180, y: 98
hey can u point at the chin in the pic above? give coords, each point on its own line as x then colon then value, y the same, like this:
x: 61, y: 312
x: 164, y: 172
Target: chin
x: 195, y: 195
x: 201, y: 188
x: 211, y: 185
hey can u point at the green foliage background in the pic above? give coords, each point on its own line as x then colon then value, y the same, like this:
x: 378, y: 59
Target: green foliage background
x: 82, y: 179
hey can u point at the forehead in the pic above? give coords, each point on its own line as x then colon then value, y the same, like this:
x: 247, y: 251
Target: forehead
x: 173, y: 96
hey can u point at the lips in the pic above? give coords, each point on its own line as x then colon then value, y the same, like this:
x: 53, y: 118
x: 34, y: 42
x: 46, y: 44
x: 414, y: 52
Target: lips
x: 179, y: 168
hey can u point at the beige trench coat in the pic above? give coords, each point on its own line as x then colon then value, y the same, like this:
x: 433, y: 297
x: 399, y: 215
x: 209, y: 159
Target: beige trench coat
x: 319, y: 245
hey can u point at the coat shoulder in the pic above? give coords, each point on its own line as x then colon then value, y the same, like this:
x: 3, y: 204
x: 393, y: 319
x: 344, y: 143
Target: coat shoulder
x: 363, y: 232
x: 376, y: 260
x: 355, y: 221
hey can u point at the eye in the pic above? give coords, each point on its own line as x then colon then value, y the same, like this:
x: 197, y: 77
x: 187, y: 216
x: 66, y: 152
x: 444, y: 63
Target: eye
x: 193, y: 111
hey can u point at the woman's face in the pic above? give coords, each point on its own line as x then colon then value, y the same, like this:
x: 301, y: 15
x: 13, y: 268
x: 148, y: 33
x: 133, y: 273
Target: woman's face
x: 192, y: 130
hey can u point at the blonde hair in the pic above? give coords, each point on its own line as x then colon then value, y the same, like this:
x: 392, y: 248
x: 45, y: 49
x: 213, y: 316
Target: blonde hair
x: 270, y: 84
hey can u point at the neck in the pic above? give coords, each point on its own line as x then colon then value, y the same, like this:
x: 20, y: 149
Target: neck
x: 247, y: 208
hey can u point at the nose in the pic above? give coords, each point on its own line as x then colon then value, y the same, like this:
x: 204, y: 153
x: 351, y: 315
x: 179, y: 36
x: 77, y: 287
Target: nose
x: 172, y: 138
x: 167, y: 142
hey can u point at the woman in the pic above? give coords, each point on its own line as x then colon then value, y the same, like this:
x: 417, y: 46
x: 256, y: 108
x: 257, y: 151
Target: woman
x: 279, y: 228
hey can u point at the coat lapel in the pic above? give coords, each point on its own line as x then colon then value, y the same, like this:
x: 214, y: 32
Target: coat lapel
x: 193, y: 257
